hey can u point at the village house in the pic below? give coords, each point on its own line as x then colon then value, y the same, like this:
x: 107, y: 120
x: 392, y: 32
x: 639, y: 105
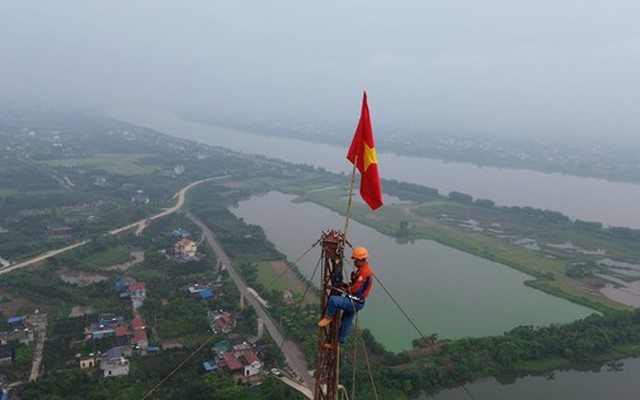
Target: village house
x: 242, y: 362
x: 222, y: 347
x: 231, y: 363
x: 179, y: 169
x: 103, y: 326
x: 201, y: 290
x: 121, y: 337
x: 210, y: 366
x: 123, y: 283
x: 241, y: 348
x: 138, y: 292
x: 140, y: 197
x: 138, y: 333
x: 185, y: 249
x: 56, y: 229
x: 222, y: 322
x: 100, y: 181
x: 252, y: 364
x: 24, y: 336
x: 113, y: 363
x: 18, y: 331
x: 88, y: 362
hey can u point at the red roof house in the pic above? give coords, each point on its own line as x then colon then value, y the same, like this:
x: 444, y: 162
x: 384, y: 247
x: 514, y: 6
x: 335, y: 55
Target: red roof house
x: 121, y: 330
x: 232, y: 363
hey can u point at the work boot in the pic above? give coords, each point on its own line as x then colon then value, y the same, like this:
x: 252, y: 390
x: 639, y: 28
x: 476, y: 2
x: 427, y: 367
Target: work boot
x: 328, y: 346
x: 325, y: 321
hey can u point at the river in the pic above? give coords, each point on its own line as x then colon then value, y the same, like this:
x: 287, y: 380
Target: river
x: 619, y: 381
x: 590, y: 199
x: 443, y: 290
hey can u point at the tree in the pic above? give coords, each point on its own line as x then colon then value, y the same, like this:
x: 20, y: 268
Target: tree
x: 460, y: 197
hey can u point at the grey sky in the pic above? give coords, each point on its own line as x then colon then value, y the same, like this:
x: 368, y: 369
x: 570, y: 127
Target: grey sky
x: 522, y: 67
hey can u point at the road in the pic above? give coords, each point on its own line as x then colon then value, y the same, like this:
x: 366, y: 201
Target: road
x: 300, y: 388
x: 180, y: 195
x: 39, y: 323
x: 42, y: 257
x: 292, y: 353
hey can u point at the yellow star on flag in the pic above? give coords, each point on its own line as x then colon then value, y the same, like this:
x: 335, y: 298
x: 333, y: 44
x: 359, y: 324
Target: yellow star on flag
x: 369, y: 156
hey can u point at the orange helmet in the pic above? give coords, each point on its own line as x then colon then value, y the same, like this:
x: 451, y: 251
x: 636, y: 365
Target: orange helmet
x: 359, y: 253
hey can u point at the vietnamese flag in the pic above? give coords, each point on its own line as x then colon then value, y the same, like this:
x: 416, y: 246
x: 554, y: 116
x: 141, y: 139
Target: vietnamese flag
x: 362, y: 153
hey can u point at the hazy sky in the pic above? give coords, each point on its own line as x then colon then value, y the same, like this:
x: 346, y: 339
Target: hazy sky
x: 521, y: 67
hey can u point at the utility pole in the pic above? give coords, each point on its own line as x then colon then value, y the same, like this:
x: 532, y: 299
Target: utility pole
x: 326, y: 388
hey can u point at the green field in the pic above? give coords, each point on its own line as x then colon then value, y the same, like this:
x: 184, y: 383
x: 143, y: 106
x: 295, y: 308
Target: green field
x: 266, y: 276
x: 115, y: 163
x: 111, y: 256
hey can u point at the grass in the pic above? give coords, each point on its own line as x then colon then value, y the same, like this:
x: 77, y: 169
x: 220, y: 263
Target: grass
x: 619, y: 352
x: 108, y: 257
x: 266, y: 275
x: 64, y: 310
x: 538, y: 366
x: 115, y: 163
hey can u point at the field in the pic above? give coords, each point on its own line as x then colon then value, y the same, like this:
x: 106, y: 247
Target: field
x: 268, y: 272
x: 115, y: 163
x: 112, y: 255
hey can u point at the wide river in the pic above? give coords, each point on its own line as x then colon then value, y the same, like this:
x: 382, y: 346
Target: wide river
x: 612, y: 203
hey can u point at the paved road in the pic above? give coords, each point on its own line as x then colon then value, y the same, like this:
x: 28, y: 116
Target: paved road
x: 140, y: 224
x: 41, y: 257
x: 297, y: 386
x: 292, y: 352
x: 180, y: 196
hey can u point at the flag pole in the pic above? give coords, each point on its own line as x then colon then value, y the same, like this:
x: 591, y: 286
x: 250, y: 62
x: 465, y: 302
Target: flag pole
x: 350, y: 199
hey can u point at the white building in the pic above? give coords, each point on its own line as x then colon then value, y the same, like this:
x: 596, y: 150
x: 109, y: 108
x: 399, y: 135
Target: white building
x: 252, y: 364
x: 114, y: 364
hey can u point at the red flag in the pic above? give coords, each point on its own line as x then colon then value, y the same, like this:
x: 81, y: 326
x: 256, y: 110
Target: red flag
x: 363, y: 153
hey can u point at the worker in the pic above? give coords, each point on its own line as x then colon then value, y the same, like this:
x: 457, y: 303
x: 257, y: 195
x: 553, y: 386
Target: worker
x: 356, y: 293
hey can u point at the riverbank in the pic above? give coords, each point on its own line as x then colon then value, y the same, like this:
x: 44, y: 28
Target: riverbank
x: 563, y: 364
x: 549, y: 273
